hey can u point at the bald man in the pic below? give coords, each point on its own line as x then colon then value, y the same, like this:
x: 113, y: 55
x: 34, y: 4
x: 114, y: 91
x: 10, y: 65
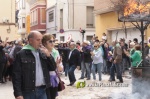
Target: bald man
x: 74, y: 60
x: 30, y: 71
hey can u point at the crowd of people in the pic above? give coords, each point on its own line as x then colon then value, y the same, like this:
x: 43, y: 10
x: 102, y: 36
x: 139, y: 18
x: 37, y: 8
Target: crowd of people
x: 34, y: 64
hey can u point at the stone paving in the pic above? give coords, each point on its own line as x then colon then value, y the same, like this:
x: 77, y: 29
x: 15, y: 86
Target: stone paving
x: 6, y: 91
x: 71, y: 92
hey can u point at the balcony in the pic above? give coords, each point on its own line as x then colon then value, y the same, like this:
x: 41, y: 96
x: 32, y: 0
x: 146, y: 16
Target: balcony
x: 22, y: 13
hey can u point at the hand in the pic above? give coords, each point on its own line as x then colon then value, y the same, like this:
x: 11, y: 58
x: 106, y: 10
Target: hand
x: 19, y: 97
x: 7, y: 38
x: 58, y: 60
x: 92, y: 53
x: 128, y: 54
x: 110, y: 59
x: 78, y: 67
x: 45, y: 51
x: 80, y: 50
x: 115, y: 62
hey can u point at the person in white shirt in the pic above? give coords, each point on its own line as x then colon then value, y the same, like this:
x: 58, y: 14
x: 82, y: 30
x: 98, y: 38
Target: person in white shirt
x: 97, y: 61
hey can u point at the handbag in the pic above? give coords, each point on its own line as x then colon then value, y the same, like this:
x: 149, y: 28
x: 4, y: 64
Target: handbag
x: 61, y: 85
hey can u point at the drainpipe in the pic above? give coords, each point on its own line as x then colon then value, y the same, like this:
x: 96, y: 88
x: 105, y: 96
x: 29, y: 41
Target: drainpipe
x: 73, y: 14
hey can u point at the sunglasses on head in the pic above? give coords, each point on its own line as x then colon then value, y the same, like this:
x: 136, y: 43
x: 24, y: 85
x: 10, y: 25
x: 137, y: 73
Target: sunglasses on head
x: 51, y: 41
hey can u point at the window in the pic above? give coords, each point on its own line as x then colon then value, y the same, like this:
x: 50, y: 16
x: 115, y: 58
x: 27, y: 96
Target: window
x: 61, y: 18
x: 90, y: 18
x: 43, y: 15
x: 23, y: 22
x: 36, y: 16
x: 31, y: 18
x: 89, y: 38
x: 62, y: 38
x: 51, y: 16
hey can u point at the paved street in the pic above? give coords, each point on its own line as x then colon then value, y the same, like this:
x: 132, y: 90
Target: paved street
x: 6, y: 91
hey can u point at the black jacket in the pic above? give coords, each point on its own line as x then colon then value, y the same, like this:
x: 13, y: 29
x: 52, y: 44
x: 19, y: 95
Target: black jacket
x: 2, y: 55
x: 87, y: 54
x: 23, y: 76
x: 64, y: 52
x: 75, y: 58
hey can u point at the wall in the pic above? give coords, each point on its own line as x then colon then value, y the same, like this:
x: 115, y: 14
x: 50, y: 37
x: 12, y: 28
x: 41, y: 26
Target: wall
x: 40, y: 26
x: 72, y: 20
x: 50, y: 3
x: 8, y: 11
x: 107, y: 22
x: 51, y: 26
x: 102, y: 4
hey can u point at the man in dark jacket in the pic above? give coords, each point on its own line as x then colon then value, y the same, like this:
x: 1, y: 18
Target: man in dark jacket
x: 74, y: 62
x: 2, y: 59
x: 31, y: 70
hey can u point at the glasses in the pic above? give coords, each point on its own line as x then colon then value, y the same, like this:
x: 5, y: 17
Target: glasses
x: 51, y: 41
x: 95, y: 46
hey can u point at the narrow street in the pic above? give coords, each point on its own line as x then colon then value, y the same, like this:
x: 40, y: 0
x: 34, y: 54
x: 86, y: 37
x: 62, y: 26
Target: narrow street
x: 71, y: 92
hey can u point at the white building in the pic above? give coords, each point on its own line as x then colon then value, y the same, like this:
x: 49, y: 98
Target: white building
x: 24, y: 11
x: 66, y: 17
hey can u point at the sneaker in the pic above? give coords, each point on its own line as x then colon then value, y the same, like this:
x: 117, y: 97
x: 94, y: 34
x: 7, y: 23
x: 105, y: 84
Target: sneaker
x: 81, y: 78
x: 88, y: 79
x: 119, y: 82
x: 111, y: 80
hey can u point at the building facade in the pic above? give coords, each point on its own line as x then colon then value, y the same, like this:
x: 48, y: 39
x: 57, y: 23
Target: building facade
x: 107, y: 22
x: 22, y: 17
x: 65, y: 18
x: 8, y: 26
x: 38, y: 15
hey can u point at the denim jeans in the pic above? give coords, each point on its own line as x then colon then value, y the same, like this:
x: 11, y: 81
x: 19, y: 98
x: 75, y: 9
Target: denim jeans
x: 2, y: 65
x: 98, y: 67
x: 39, y: 93
x: 66, y: 67
x: 112, y: 72
x: 87, y: 65
x: 71, y: 73
x: 104, y: 70
x: 124, y: 64
x: 83, y: 69
x: 119, y: 71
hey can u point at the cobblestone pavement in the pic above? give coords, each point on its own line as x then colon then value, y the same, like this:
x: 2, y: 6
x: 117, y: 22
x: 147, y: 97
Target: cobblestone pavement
x: 6, y: 91
x: 71, y: 92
